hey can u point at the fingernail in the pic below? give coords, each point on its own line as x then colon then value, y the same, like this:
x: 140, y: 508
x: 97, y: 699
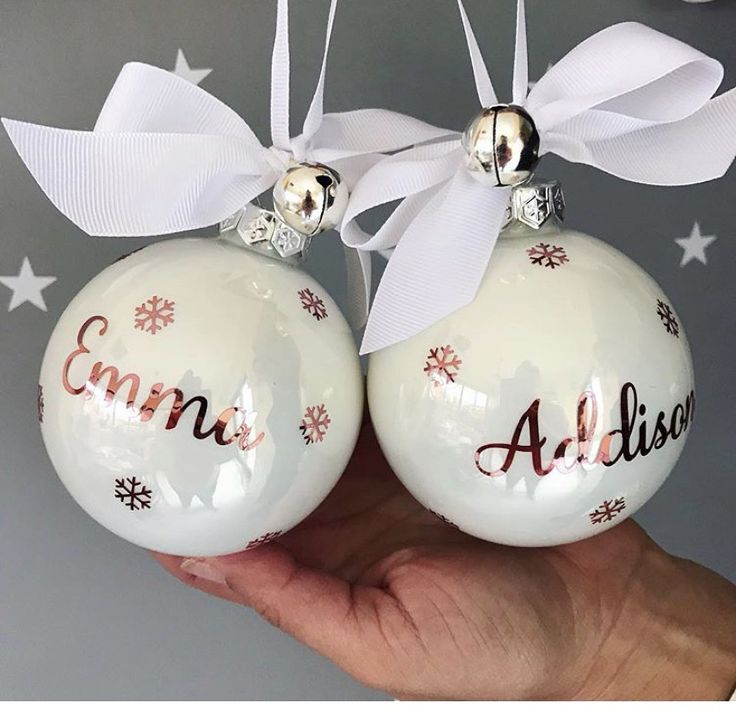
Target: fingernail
x: 203, y: 570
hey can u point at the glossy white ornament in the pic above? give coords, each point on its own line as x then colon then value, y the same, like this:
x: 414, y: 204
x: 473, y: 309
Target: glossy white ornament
x: 561, y: 324
x: 269, y: 397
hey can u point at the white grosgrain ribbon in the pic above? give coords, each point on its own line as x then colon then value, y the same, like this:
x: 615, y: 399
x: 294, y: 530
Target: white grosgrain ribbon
x: 166, y: 156
x: 628, y: 100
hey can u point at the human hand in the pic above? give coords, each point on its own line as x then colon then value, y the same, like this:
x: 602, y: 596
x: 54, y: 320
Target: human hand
x: 408, y: 604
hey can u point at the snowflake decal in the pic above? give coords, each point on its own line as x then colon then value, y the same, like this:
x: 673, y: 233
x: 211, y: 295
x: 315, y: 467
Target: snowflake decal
x: 262, y: 540
x: 132, y: 493
x: 314, y: 424
x: 443, y: 518
x: 313, y: 304
x: 547, y: 255
x: 40, y: 403
x: 668, y: 318
x: 442, y: 365
x: 607, y: 511
x: 153, y: 315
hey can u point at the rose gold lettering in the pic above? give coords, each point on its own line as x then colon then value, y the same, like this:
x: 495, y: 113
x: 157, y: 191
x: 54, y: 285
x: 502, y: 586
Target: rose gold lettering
x: 634, y: 436
x: 530, y: 418
x: 113, y: 383
x: 80, y: 350
x: 243, y: 434
x: 156, y: 396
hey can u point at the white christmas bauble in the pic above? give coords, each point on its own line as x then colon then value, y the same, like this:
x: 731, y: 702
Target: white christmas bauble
x: 550, y: 408
x: 197, y: 398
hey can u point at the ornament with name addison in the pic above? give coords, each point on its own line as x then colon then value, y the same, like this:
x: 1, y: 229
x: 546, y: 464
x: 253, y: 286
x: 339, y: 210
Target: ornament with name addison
x: 567, y: 382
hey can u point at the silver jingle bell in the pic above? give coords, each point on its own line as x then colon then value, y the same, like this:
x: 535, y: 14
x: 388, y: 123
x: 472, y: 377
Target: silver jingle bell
x: 501, y: 145
x: 310, y: 198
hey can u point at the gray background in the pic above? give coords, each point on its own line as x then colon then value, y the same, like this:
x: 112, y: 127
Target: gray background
x: 85, y: 615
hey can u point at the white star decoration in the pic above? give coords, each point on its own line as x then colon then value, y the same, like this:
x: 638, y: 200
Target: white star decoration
x: 694, y: 246
x: 27, y: 287
x: 183, y: 70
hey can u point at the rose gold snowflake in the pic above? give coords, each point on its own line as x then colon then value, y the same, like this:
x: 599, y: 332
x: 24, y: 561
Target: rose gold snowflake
x: 668, y: 318
x: 607, y: 511
x: 443, y: 518
x: 262, y: 540
x: 313, y: 304
x: 442, y: 365
x: 153, y: 315
x: 314, y: 424
x: 40, y: 403
x: 133, y: 493
x: 547, y: 255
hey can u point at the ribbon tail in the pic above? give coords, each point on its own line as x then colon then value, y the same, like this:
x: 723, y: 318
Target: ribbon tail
x: 358, y: 272
x: 438, y: 264
x: 132, y: 184
x: 521, y: 57
x: 397, y: 177
x: 398, y: 222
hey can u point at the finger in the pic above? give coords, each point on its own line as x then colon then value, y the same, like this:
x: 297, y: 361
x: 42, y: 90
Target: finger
x: 346, y: 623
x: 315, y: 607
x: 195, y: 573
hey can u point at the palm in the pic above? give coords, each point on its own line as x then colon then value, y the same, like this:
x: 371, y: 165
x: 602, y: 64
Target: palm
x: 404, y: 601
x: 367, y: 517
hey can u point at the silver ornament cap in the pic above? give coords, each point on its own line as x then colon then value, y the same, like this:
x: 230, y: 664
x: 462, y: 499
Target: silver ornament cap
x: 501, y: 146
x: 310, y: 198
x: 536, y: 203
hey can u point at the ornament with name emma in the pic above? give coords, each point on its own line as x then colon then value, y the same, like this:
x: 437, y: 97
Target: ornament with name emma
x: 200, y: 398
x: 555, y: 404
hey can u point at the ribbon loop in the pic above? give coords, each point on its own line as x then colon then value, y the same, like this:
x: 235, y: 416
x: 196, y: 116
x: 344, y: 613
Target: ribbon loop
x: 148, y: 99
x: 131, y: 184
x: 280, y: 72
x: 370, y: 131
x: 521, y: 59
x: 313, y: 119
x: 483, y: 84
x: 627, y: 69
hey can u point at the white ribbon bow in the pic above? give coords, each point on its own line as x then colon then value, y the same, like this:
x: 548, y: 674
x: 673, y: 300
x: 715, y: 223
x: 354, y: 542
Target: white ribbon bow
x: 166, y: 156
x: 628, y: 100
